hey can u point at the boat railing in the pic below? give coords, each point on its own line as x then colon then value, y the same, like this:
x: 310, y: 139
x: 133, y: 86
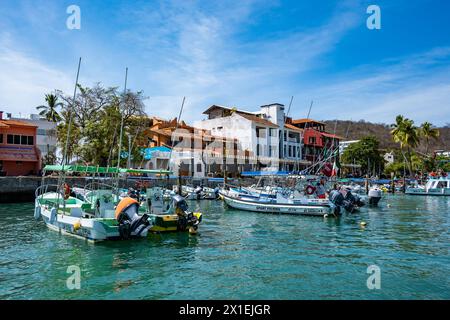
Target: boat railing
x: 44, y: 189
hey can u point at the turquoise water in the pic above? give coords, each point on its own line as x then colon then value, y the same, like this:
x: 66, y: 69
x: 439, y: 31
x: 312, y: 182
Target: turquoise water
x: 240, y: 255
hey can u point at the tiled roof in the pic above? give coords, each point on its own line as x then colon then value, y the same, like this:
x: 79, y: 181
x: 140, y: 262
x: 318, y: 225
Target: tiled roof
x: 226, y: 108
x: 292, y: 128
x: 258, y: 120
x: 297, y: 121
x: 330, y: 135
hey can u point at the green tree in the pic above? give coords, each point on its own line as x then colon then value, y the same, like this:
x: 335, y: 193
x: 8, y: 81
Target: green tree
x: 365, y: 153
x: 428, y: 132
x: 408, y: 135
x: 49, y: 111
x: 97, y: 117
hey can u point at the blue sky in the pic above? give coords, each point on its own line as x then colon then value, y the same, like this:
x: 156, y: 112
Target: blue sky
x: 236, y: 53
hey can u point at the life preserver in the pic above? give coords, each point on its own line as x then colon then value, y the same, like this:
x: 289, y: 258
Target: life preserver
x: 66, y: 191
x: 310, y: 190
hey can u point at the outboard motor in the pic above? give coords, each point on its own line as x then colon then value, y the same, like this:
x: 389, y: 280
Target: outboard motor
x: 374, y: 196
x: 337, y: 199
x: 185, y: 218
x: 130, y: 223
x: 198, y: 192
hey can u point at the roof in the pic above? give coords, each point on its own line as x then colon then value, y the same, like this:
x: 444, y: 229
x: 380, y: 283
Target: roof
x: 261, y: 121
x: 94, y: 169
x: 292, y: 128
x: 18, y: 123
x: 207, y: 111
x: 330, y: 135
x: 305, y: 120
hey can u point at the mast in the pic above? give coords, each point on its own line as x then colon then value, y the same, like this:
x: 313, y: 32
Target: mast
x: 121, y: 122
x: 176, y: 128
x: 65, y: 160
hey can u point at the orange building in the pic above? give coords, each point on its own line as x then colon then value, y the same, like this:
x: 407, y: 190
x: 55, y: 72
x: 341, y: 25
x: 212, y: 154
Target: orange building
x: 18, y: 152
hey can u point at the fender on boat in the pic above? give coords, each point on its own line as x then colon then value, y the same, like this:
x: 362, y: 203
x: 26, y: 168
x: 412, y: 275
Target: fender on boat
x: 37, y: 212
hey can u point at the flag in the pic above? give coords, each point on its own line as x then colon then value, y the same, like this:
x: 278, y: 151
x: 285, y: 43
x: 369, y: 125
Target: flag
x: 336, y: 167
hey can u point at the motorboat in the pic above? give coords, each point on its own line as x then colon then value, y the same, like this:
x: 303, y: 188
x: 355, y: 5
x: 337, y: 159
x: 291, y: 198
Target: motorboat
x: 434, y: 187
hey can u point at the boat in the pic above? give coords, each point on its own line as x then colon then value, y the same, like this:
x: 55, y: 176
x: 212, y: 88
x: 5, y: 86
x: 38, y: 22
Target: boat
x: 374, y: 195
x: 311, y: 207
x: 197, y: 193
x: 434, y: 187
x: 98, y: 215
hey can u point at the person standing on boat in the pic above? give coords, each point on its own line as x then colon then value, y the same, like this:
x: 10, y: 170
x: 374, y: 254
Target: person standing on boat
x: 320, y: 189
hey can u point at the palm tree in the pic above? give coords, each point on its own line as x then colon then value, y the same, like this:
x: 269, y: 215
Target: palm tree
x: 49, y: 110
x: 407, y: 134
x: 428, y: 132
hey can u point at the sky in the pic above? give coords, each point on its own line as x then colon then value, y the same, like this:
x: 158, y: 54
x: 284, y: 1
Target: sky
x: 240, y: 54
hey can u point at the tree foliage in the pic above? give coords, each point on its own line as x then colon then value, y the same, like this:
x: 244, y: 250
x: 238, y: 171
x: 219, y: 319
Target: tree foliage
x: 96, y: 120
x: 365, y: 153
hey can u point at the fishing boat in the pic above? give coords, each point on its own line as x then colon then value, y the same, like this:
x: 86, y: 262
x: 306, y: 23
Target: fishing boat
x: 94, y: 215
x: 434, y: 187
x: 305, y: 206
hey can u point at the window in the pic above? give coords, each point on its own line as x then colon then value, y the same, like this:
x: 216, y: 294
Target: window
x: 41, y: 132
x: 30, y: 140
x: 23, y: 140
x: 199, y: 167
x: 312, y: 140
x: 290, y: 151
x: 1, y: 138
x: 10, y: 139
x: 16, y: 139
x: 270, y: 151
x: 273, y: 132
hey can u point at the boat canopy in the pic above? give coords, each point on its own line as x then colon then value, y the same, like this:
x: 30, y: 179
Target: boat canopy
x: 97, y: 169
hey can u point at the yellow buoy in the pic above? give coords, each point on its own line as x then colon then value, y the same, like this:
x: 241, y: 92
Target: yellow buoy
x: 363, y: 223
x: 77, y: 225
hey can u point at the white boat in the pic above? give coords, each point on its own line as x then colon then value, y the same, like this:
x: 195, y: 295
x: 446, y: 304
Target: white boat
x: 434, y: 187
x: 94, y: 215
x: 311, y: 207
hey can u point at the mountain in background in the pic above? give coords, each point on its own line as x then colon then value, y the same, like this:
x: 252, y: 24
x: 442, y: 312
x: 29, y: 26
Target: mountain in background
x: 355, y: 130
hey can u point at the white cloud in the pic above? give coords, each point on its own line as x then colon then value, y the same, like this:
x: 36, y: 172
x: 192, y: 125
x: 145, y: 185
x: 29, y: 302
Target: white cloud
x: 24, y: 80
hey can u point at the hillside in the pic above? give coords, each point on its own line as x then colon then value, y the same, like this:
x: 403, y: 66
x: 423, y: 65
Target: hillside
x: 354, y: 130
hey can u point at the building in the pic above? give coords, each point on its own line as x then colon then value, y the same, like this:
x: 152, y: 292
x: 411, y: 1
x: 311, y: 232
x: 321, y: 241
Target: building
x: 288, y: 144
x: 19, y: 154
x: 46, y: 139
x: 195, y: 152
x: 389, y: 157
x: 265, y: 133
x: 344, y: 145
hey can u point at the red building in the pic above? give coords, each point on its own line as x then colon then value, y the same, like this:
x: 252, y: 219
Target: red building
x: 317, y: 142
x: 18, y: 152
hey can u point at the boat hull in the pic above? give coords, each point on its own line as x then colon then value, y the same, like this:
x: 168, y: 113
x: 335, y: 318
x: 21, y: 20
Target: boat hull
x: 293, y: 209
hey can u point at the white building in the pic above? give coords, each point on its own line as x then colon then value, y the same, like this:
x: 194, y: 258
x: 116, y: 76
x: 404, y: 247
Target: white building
x: 46, y: 132
x: 264, y: 133
x: 389, y: 157
x: 344, y: 145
